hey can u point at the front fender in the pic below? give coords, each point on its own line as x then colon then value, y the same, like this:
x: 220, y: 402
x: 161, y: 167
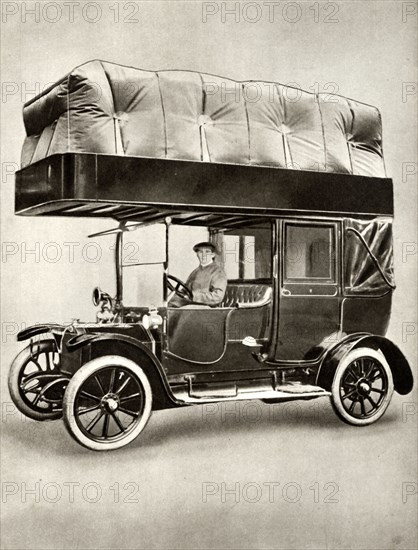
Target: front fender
x: 401, y: 371
x: 34, y: 330
x: 100, y: 344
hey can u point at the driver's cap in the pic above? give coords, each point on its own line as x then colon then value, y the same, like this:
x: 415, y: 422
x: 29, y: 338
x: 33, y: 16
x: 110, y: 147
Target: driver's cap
x: 205, y: 245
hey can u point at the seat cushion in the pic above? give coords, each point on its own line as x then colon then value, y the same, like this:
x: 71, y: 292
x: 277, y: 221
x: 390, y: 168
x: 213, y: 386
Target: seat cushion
x: 246, y: 295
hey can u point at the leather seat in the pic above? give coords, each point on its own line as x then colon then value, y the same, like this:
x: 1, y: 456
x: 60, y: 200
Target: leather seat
x: 246, y: 295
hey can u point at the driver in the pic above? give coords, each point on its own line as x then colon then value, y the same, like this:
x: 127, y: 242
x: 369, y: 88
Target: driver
x: 207, y: 282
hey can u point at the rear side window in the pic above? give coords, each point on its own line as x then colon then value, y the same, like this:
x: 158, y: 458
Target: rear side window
x: 246, y: 253
x: 309, y: 254
x: 368, y: 257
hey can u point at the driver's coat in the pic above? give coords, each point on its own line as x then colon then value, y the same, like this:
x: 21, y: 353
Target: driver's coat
x: 208, y: 284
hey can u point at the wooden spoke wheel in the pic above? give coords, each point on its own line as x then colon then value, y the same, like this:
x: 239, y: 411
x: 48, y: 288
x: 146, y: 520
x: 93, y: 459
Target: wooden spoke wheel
x: 36, y: 384
x: 362, y: 387
x: 107, y: 403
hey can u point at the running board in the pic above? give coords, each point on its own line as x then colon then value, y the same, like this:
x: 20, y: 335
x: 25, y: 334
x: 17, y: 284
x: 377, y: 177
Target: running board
x: 206, y: 393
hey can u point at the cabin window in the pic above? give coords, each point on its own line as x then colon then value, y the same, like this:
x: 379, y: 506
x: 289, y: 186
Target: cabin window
x: 309, y: 252
x: 368, y: 257
x: 246, y: 253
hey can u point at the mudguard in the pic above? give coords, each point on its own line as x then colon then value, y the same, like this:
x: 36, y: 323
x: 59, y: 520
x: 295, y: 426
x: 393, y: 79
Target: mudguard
x: 126, y: 346
x: 34, y: 330
x: 401, y: 371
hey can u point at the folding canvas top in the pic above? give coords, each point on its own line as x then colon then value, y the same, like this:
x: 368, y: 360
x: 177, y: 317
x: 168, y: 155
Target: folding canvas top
x: 108, y: 138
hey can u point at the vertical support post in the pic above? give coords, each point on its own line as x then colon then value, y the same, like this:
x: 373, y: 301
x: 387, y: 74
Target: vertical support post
x: 167, y: 222
x: 118, y: 266
x: 276, y: 266
x: 164, y: 342
x: 241, y: 257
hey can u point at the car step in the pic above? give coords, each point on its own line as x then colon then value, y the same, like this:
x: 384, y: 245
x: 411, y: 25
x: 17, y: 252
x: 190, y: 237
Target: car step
x: 203, y: 393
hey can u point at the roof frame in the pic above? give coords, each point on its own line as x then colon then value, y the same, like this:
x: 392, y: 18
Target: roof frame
x: 146, y: 189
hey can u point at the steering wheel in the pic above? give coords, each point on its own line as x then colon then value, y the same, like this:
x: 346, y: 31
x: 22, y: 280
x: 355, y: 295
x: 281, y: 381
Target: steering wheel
x: 180, y: 288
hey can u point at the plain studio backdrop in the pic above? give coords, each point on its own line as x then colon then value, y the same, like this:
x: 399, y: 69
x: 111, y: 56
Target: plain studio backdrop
x: 362, y: 50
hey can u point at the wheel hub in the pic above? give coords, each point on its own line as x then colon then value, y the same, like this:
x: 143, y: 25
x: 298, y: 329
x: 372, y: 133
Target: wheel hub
x: 110, y: 402
x: 363, y: 387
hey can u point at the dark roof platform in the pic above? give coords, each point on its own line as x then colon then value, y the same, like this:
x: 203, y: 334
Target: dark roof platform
x: 147, y: 189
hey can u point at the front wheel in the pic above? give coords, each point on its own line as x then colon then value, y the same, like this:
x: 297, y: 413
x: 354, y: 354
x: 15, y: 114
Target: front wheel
x: 36, y: 384
x: 362, y: 387
x: 107, y: 403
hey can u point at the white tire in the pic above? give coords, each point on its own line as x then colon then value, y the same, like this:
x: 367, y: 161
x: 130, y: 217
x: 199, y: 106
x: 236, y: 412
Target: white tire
x: 117, y: 395
x: 362, y: 387
x: 36, y: 385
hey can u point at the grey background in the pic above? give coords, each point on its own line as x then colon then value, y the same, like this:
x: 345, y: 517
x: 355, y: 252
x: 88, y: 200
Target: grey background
x: 367, y: 53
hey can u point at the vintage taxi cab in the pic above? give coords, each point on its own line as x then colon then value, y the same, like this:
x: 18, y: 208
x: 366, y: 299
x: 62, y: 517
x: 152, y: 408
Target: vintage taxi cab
x: 294, y: 196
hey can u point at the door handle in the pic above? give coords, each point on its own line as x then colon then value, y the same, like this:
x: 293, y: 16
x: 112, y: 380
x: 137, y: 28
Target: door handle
x: 286, y: 292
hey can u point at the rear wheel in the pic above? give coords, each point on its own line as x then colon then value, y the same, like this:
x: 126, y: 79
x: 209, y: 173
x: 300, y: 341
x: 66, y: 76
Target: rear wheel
x: 36, y: 384
x: 362, y: 387
x: 107, y: 403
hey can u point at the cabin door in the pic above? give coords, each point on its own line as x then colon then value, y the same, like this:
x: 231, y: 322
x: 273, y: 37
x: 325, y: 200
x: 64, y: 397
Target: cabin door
x: 309, y: 296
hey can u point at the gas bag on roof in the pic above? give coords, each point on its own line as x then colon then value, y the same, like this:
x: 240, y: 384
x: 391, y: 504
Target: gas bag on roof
x: 105, y: 108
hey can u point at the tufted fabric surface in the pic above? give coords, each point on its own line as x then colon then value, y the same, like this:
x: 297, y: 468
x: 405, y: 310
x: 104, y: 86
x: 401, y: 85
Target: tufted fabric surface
x: 102, y: 107
x: 246, y: 295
